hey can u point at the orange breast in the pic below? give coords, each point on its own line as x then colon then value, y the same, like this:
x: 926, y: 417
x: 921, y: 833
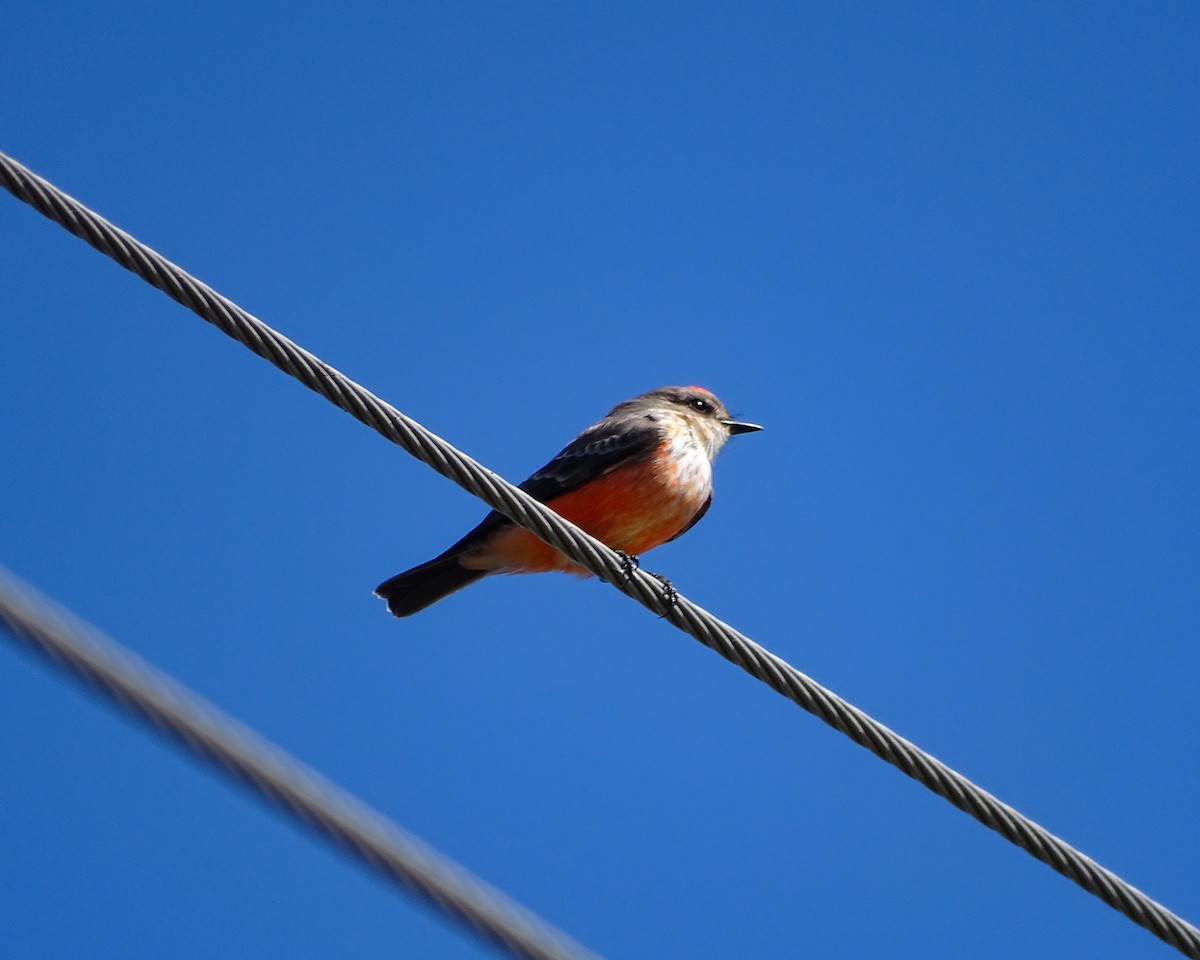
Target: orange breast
x: 633, y: 508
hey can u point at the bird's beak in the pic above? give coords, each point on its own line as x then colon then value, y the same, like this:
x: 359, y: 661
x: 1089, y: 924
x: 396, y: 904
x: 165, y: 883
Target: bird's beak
x: 735, y: 427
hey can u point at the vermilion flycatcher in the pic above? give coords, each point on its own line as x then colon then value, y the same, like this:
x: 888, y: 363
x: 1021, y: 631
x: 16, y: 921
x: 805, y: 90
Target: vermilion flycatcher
x: 638, y: 478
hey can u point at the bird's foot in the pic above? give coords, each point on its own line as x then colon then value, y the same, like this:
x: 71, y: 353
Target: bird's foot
x: 670, y: 596
x: 629, y: 563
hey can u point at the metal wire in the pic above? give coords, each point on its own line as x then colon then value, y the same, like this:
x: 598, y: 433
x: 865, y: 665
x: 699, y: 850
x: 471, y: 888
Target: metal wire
x: 598, y: 558
x: 240, y: 752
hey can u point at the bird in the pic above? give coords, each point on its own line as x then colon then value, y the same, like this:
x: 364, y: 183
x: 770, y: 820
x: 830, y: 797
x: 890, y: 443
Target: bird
x: 637, y: 479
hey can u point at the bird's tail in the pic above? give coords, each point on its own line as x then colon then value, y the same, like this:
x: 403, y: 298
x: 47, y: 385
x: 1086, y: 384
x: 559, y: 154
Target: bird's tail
x: 415, y: 589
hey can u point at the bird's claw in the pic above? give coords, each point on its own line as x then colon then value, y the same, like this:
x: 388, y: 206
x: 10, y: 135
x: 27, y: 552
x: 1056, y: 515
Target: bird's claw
x: 670, y: 595
x: 629, y: 563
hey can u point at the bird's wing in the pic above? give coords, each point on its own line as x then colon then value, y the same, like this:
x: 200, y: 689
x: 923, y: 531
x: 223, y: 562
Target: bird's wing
x: 592, y: 454
x: 599, y: 449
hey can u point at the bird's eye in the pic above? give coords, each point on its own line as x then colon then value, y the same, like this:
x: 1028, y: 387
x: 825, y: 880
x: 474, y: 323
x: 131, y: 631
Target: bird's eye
x: 699, y: 403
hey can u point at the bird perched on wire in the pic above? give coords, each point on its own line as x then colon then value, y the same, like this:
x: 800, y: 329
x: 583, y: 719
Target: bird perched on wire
x: 638, y: 478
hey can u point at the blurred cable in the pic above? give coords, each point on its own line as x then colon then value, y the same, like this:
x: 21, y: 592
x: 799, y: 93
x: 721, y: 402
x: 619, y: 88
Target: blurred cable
x: 595, y: 556
x: 329, y: 811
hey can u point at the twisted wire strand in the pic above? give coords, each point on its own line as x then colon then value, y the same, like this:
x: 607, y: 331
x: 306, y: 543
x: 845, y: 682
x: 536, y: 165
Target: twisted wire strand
x: 597, y: 557
x: 243, y: 754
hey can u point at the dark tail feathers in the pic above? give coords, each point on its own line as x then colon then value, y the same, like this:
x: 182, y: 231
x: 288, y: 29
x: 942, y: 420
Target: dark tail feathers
x: 416, y: 589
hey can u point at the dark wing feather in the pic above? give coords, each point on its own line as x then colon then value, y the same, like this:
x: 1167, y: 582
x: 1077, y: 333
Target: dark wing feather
x: 599, y: 449
x: 592, y: 454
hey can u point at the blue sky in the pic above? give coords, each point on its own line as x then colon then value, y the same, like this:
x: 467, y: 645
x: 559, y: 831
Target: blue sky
x: 946, y: 253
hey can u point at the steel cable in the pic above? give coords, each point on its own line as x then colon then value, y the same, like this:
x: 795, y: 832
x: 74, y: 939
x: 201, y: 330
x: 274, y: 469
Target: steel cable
x: 598, y: 558
x: 308, y: 797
